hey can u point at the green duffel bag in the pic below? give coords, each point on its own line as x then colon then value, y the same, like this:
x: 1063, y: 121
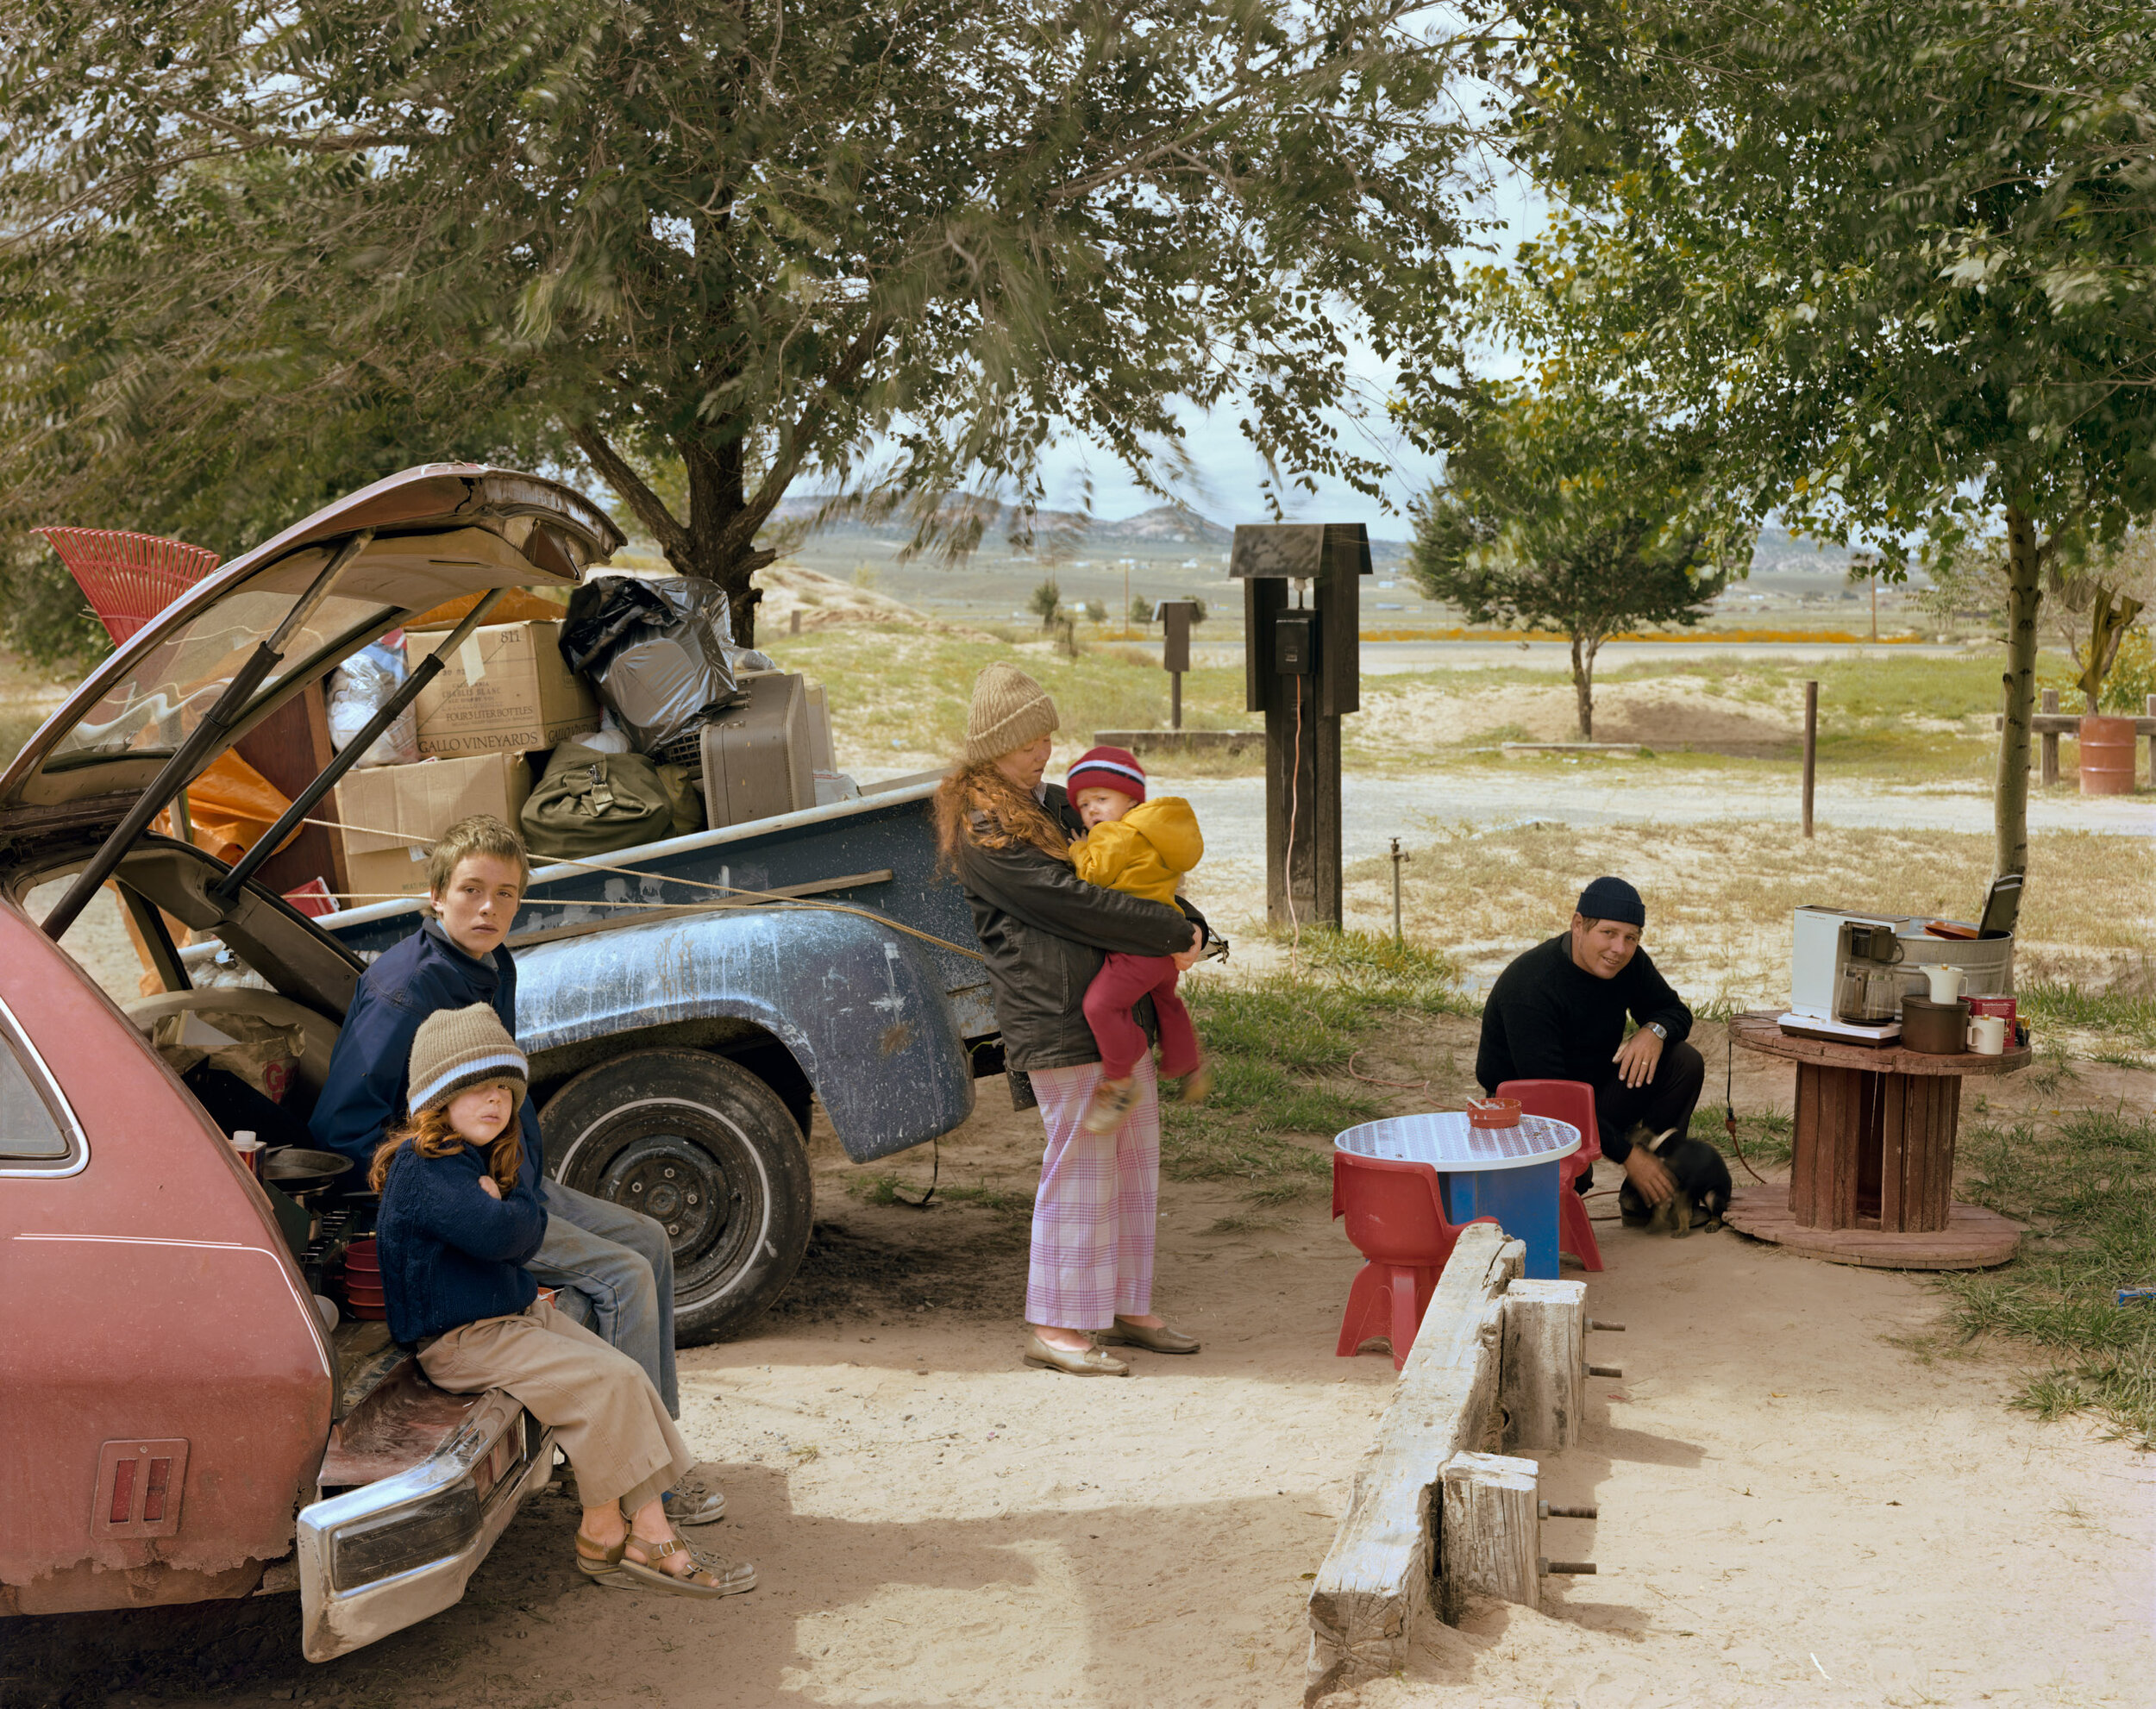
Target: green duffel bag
x: 591, y: 803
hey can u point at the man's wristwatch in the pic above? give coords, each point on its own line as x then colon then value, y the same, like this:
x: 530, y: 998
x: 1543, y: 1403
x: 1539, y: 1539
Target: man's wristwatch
x: 1659, y: 1030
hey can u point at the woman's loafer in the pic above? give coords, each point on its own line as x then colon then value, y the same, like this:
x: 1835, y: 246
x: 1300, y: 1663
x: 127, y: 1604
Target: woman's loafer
x: 1125, y: 1333
x: 1079, y: 1361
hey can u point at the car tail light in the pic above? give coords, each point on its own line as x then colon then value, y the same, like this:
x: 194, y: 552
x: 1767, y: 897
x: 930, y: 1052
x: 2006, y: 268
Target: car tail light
x: 139, y: 1488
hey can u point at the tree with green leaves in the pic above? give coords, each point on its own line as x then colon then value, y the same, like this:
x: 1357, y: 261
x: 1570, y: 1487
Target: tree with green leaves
x: 1901, y: 258
x: 1566, y: 508
x: 898, y: 250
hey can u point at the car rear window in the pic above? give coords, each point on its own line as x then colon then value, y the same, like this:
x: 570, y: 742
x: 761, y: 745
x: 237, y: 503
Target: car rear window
x: 29, y: 1132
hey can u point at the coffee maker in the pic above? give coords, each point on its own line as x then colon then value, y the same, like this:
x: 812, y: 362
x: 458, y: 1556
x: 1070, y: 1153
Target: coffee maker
x: 1847, y: 977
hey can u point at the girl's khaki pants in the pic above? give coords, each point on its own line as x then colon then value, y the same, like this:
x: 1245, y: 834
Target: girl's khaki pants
x: 602, y: 1408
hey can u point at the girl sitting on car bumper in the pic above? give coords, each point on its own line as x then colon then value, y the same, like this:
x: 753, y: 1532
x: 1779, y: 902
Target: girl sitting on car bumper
x: 459, y: 1218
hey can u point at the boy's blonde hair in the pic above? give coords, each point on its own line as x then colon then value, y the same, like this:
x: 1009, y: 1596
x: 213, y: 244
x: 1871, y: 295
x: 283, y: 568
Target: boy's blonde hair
x: 481, y: 834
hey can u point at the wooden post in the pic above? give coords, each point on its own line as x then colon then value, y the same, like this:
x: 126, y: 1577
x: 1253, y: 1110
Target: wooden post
x: 1488, y: 1533
x: 1811, y: 749
x: 2148, y: 706
x: 793, y: 621
x: 2050, y: 739
x: 1542, y: 1383
x: 1377, y: 1581
x: 1303, y: 706
x: 1175, y: 617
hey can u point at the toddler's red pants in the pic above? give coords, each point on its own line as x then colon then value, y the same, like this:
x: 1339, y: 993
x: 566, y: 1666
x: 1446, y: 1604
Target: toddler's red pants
x: 1122, y: 981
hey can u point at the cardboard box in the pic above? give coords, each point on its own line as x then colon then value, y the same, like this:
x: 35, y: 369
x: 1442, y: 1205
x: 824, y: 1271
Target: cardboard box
x: 505, y: 690
x: 396, y: 811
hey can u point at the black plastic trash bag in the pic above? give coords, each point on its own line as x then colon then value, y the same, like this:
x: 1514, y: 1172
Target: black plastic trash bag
x: 660, y: 651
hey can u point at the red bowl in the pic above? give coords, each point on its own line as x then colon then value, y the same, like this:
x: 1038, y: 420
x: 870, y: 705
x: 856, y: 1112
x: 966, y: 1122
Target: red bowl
x: 360, y: 1267
x: 365, y: 1296
x: 1493, y: 1112
x: 370, y: 1314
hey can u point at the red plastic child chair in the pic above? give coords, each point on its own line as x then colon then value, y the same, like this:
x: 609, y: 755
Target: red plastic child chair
x: 1395, y: 1217
x: 1569, y: 1101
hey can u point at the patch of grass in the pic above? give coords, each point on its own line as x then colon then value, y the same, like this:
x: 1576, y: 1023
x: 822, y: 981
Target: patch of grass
x: 875, y: 1189
x: 900, y: 688
x: 1720, y: 896
x: 1247, y: 1224
x: 1280, y: 1050
x: 1764, y: 1138
x: 2115, y: 1015
x: 2087, y: 1187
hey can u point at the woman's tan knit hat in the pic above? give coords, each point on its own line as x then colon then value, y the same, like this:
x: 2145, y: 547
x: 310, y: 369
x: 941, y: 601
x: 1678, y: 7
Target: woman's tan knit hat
x: 1009, y: 710
x: 456, y: 1049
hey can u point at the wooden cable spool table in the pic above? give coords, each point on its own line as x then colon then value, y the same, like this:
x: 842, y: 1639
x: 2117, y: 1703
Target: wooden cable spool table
x: 1872, y: 1165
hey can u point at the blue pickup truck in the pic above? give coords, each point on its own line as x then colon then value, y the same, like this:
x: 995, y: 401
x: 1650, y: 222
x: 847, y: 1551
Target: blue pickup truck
x: 684, y: 1001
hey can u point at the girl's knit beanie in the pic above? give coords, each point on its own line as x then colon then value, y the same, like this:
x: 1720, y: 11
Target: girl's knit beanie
x: 456, y: 1049
x: 1009, y: 710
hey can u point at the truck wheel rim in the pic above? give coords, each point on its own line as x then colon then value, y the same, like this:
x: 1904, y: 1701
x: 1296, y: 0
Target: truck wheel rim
x: 623, y: 1158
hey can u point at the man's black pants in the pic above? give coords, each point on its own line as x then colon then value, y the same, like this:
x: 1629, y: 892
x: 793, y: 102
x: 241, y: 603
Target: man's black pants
x: 1666, y: 1101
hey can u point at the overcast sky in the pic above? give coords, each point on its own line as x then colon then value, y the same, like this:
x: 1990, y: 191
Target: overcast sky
x: 1229, y: 472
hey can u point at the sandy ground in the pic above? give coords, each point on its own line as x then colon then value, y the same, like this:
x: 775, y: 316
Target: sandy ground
x: 1803, y: 1498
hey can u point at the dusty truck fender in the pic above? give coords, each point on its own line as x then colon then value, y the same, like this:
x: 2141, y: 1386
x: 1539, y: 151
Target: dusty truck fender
x: 864, y: 1017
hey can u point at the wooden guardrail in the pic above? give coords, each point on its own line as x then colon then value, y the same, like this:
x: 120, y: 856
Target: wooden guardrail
x: 2048, y: 724
x: 1441, y: 1508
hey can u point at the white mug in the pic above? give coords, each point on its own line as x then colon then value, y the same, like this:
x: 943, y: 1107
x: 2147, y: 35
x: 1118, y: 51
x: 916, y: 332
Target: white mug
x: 1987, y: 1035
x: 1946, y: 981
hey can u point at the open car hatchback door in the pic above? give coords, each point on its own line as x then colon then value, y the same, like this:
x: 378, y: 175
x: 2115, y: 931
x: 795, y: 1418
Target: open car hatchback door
x: 409, y: 542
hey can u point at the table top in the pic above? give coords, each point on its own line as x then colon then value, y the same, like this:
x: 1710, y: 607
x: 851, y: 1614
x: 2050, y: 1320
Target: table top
x: 1759, y: 1031
x: 1445, y: 1141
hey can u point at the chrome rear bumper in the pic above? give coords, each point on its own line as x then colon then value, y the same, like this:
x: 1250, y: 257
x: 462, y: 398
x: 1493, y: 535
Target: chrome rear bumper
x: 375, y: 1560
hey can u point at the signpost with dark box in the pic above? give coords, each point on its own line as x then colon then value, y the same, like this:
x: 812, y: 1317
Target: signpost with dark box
x: 1302, y: 672
x: 1176, y: 618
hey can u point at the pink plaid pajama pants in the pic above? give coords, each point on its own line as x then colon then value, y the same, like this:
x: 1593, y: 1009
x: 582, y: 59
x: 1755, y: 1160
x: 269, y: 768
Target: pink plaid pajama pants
x: 1093, y: 1219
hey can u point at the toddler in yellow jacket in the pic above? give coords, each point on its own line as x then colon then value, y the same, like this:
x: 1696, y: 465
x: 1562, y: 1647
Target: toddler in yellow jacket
x: 1142, y: 848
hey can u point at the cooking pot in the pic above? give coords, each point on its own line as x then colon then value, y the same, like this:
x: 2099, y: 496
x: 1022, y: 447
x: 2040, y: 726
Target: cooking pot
x: 299, y: 1171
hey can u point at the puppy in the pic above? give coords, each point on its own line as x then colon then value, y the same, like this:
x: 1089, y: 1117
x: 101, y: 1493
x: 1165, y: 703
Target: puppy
x: 1703, y: 1187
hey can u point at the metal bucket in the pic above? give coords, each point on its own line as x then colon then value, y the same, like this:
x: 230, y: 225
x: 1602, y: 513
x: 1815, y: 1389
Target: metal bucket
x: 2107, y: 755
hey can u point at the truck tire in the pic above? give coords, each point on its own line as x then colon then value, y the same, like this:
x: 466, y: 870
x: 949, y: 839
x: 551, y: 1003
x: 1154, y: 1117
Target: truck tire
x: 709, y: 1150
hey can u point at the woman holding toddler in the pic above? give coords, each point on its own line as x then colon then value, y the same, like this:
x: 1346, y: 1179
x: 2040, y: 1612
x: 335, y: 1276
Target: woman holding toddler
x: 1052, y: 939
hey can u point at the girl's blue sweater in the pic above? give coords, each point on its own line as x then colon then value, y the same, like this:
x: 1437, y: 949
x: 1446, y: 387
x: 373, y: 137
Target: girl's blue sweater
x: 450, y: 1254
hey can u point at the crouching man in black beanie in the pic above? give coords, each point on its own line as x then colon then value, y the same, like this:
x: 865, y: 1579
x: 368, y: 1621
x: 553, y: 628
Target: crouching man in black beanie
x: 1557, y: 1012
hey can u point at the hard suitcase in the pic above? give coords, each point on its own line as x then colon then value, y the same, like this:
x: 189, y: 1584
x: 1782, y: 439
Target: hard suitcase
x: 758, y: 758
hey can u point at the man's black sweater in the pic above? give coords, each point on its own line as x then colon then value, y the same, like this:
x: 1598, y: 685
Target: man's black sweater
x: 1549, y: 1019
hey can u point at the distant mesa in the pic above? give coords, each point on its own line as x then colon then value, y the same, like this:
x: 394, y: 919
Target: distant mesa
x: 1164, y: 525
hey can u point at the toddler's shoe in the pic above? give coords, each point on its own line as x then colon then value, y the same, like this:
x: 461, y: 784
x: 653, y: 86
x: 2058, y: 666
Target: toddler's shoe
x: 1197, y: 1085
x: 1111, y: 1102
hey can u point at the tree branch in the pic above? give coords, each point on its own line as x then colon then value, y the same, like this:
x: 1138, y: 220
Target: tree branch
x: 649, y: 509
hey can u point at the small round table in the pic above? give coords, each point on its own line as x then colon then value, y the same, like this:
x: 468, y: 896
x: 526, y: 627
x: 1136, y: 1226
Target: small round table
x: 1510, y: 1174
x: 1871, y: 1160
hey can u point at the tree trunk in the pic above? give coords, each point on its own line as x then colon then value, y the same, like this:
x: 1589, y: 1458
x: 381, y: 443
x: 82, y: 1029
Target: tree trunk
x: 719, y: 541
x: 2009, y: 795
x: 1584, y: 647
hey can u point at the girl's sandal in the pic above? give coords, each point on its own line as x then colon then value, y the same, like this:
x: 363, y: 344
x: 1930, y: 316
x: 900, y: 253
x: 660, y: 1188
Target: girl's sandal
x: 699, y: 1581
x: 597, y: 1560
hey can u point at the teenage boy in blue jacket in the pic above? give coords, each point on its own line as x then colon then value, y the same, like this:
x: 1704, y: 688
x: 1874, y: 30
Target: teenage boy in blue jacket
x: 620, y: 1263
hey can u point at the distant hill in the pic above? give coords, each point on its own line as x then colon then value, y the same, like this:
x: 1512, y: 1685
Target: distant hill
x: 1782, y: 554
x: 1070, y: 531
